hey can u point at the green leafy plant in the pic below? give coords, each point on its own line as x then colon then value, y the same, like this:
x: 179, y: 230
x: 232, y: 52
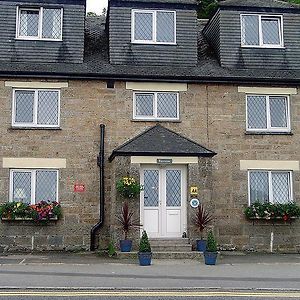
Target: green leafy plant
x: 211, y: 242
x: 201, y: 219
x: 128, y: 187
x: 268, y: 211
x: 144, y: 243
x: 111, y: 249
x: 126, y: 220
x: 41, y: 211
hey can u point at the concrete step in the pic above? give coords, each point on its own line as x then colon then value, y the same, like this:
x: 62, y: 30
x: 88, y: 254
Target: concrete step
x: 171, y: 248
x: 163, y: 255
x: 169, y: 241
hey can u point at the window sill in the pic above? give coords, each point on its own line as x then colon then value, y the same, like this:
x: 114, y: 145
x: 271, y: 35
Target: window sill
x: 156, y: 120
x: 37, y: 39
x: 262, y: 47
x: 34, y: 128
x: 29, y: 221
x: 267, y: 133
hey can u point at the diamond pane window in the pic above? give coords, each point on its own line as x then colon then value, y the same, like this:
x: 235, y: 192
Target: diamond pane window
x: 150, y: 26
x: 21, y: 187
x: 151, y: 188
x: 36, y: 108
x: 165, y: 27
x: 278, y: 111
x: 40, y: 23
x: 173, y: 187
x: 144, y: 104
x: 156, y: 106
x: 167, y: 105
x: 48, y: 107
x: 24, y: 106
x: 29, y: 23
x: 32, y: 186
x: 270, y: 31
x: 268, y: 113
x: 143, y: 29
x: 259, y: 187
x: 281, y: 187
x: 51, y: 23
x: 261, y: 30
x: 46, y: 186
x: 270, y: 186
x: 250, y: 30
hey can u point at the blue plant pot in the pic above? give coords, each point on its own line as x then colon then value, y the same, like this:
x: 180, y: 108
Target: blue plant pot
x: 125, y: 245
x: 210, y: 258
x: 201, y: 245
x: 145, y: 258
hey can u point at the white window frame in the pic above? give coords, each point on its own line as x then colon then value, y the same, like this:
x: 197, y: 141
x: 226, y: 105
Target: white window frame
x: 260, y: 32
x: 33, y: 182
x: 34, y: 124
x: 154, y: 25
x: 268, y: 113
x: 271, y: 199
x: 154, y: 117
x: 40, y: 26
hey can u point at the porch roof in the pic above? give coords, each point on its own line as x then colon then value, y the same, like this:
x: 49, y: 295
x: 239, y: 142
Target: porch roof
x: 160, y: 141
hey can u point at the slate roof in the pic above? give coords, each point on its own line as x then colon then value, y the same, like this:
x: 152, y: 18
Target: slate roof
x: 160, y: 1
x: 160, y: 141
x: 258, y: 3
x: 96, y: 64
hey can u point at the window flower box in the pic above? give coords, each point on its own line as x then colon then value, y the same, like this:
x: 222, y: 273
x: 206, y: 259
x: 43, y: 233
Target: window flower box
x: 41, y: 212
x: 273, y: 211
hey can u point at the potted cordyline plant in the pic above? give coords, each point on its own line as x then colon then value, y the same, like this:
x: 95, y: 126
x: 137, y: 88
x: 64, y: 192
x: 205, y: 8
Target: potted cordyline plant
x: 145, y: 253
x: 210, y: 255
x: 127, y: 222
x: 201, y: 219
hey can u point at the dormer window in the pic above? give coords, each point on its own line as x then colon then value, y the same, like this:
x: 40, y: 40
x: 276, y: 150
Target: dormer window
x: 153, y: 27
x: 262, y: 31
x: 39, y: 23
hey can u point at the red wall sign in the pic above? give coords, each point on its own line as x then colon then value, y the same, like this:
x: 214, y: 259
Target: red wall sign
x: 79, y: 188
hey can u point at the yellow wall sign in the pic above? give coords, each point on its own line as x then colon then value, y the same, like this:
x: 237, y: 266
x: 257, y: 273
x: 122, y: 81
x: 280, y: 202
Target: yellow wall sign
x: 194, y: 190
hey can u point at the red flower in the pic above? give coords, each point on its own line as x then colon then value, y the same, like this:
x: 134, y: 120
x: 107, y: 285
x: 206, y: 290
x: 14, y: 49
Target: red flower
x: 285, y: 217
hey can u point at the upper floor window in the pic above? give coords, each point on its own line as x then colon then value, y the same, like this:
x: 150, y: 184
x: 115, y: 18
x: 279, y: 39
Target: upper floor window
x: 270, y: 186
x: 39, y: 23
x: 33, y: 186
x: 156, y: 106
x: 268, y: 113
x: 262, y: 30
x: 153, y: 26
x: 36, y: 108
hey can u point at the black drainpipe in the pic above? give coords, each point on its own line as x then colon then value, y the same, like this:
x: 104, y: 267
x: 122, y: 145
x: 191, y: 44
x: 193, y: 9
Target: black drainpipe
x: 100, y: 163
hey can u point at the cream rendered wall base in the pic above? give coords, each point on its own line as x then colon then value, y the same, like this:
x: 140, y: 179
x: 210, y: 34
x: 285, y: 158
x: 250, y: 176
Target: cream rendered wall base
x: 34, y: 163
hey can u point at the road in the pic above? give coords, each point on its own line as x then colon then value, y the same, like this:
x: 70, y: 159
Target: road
x: 73, y: 276
x: 147, y: 294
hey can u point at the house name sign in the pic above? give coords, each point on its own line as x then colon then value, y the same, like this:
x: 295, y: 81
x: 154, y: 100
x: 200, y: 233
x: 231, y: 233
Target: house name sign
x: 164, y: 161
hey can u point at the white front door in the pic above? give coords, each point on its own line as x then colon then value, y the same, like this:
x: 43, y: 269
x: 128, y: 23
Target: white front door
x: 163, y: 200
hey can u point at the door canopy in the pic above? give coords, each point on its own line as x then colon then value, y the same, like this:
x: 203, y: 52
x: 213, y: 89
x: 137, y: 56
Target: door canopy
x: 160, y: 141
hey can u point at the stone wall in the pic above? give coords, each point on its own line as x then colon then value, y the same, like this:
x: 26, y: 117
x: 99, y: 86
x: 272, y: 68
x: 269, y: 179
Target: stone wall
x: 212, y: 115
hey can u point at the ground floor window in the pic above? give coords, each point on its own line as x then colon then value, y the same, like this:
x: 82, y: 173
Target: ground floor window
x: 270, y: 186
x: 33, y: 186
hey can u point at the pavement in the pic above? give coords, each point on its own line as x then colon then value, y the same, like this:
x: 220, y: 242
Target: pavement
x: 234, y: 271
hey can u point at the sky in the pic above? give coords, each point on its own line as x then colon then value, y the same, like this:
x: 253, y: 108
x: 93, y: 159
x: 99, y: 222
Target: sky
x: 96, y: 6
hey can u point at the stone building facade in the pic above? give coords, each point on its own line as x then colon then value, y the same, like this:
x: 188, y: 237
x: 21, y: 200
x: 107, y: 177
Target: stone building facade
x: 210, y: 124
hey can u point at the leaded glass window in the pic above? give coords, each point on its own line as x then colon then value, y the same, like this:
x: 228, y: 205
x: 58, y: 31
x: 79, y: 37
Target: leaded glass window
x: 268, y: 113
x: 262, y: 30
x: 32, y: 186
x: 154, y: 26
x: 36, y: 108
x: 40, y: 23
x: 270, y: 186
x: 158, y: 105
